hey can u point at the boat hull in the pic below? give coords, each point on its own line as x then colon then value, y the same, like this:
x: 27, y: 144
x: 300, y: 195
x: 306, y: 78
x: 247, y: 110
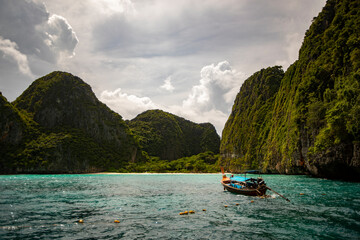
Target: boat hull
x: 245, y: 191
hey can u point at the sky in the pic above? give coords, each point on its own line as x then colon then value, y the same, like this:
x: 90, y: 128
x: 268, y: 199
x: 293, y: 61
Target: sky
x: 185, y: 57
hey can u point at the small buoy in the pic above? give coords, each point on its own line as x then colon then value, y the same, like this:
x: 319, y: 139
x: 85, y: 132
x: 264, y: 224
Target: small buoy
x: 186, y: 212
x: 323, y: 194
x: 81, y: 221
x: 225, y: 205
x: 252, y: 201
x: 182, y: 213
x: 301, y: 193
x: 116, y: 221
x: 191, y: 211
x: 204, y: 210
x: 237, y: 204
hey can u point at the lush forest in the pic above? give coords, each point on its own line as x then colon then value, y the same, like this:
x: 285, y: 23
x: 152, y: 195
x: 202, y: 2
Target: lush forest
x: 309, y: 119
x: 206, y: 162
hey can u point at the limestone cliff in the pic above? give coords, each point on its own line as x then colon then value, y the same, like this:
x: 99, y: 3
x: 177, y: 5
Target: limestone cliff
x: 67, y: 130
x: 312, y: 124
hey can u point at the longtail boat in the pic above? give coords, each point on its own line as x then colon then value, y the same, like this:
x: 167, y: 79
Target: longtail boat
x: 244, y: 186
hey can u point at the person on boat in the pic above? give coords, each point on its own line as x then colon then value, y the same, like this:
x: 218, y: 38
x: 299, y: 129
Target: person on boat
x: 260, y: 181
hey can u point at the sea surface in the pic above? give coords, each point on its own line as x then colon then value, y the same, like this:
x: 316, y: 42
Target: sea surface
x: 147, y: 206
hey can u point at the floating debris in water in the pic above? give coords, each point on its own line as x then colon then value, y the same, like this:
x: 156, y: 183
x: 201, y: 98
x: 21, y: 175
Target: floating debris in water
x: 252, y: 201
x: 237, y: 204
x: 184, y: 213
x: 302, y: 193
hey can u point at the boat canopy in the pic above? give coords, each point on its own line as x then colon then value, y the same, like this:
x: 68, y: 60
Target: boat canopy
x: 252, y: 171
x: 239, y: 178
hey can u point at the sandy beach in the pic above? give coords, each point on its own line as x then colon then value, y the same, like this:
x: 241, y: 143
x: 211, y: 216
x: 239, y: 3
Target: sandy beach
x: 147, y: 173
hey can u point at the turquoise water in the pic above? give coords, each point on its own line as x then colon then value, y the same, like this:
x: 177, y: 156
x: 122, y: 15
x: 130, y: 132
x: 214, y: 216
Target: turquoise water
x: 148, y: 207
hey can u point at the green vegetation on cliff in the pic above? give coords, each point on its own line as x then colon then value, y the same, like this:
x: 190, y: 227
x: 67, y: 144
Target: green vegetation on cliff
x: 58, y: 126
x: 248, y: 125
x: 313, y: 121
x: 170, y: 137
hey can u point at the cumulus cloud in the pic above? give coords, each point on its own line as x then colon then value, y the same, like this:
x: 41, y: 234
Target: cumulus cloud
x: 167, y: 85
x: 217, y: 89
x: 127, y: 105
x: 211, y: 100
x: 61, y: 36
x: 35, y: 31
x: 10, y: 52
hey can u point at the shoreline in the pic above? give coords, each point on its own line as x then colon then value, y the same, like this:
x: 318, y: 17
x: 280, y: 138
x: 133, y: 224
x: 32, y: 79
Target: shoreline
x: 145, y: 173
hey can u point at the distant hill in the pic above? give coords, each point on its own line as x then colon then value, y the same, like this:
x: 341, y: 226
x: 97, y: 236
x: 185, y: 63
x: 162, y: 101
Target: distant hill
x: 59, y: 126
x: 170, y: 137
x: 306, y: 120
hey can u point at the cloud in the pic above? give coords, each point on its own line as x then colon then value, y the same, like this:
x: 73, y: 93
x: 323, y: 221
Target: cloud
x: 162, y: 28
x: 35, y: 31
x: 217, y: 89
x: 129, y: 106
x: 33, y: 43
x: 167, y: 85
x: 110, y: 7
x: 165, y: 28
x: 11, y: 53
x: 211, y: 100
x: 61, y: 37
x: 291, y: 47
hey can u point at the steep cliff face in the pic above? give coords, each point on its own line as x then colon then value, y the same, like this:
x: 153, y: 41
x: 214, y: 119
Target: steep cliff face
x: 11, y: 124
x: 67, y: 130
x: 61, y: 100
x: 12, y: 130
x: 247, y: 128
x: 315, y: 124
x: 171, y: 137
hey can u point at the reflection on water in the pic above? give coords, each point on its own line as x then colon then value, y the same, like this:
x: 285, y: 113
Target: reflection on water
x: 148, y: 206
